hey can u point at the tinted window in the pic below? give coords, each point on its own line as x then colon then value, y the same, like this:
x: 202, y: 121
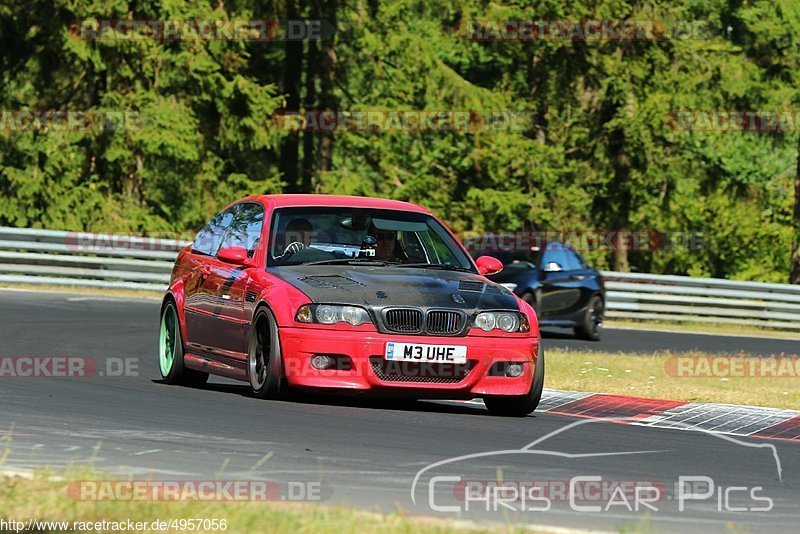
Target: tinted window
x: 573, y: 262
x: 245, y: 230
x: 209, y: 238
x: 564, y: 255
x: 581, y: 262
x: 558, y: 256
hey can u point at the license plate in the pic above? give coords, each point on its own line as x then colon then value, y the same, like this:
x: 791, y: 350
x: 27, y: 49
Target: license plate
x: 414, y: 352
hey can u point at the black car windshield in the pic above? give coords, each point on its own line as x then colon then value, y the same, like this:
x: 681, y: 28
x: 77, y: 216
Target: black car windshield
x: 336, y: 235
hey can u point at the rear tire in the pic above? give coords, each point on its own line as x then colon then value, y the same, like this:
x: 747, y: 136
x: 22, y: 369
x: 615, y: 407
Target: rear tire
x: 264, y: 358
x: 170, y: 351
x: 521, y: 405
x: 592, y: 326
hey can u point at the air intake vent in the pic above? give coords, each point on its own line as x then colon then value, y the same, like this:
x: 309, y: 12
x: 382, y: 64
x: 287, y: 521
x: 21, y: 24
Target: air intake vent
x: 333, y: 281
x: 404, y: 320
x: 466, y: 285
x: 494, y: 290
x: 250, y: 296
x: 436, y: 373
x: 444, y: 322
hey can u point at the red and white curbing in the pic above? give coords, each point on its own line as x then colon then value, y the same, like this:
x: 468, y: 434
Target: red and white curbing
x: 753, y: 421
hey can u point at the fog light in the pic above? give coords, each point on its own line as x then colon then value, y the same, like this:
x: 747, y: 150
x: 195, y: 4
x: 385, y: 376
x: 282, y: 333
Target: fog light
x: 513, y: 370
x: 321, y: 362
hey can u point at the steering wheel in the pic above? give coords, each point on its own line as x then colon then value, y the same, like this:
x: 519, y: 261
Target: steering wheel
x: 293, y: 248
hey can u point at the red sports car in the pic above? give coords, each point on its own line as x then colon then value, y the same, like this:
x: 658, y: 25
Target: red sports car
x: 346, y: 293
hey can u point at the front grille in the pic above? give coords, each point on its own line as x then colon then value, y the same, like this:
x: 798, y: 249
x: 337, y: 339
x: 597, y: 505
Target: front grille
x: 404, y: 320
x: 444, y: 322
x: 431, y: 373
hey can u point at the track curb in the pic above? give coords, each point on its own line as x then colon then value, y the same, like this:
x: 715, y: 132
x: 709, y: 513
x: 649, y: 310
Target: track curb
x: 730, y: 419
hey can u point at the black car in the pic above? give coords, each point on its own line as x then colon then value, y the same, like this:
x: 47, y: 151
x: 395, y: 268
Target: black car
x: 558, y: 283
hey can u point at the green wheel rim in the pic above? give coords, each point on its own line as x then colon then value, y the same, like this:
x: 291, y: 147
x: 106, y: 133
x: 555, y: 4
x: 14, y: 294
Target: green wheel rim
x: 168, y: 340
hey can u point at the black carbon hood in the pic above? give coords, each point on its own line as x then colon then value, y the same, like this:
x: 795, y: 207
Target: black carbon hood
x: 378, y: 287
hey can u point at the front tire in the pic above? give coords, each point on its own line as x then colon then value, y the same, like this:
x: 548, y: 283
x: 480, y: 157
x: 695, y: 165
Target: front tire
x: 264, y: 358
x: 592, y: 326
x: 170, y: 352
x: 521, y: 405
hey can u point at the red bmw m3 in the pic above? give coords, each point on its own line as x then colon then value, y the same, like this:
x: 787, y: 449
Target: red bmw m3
x: 346, y: 294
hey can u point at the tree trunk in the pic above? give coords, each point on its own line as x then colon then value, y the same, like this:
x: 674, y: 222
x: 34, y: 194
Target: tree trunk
x: 292, y: 79
x: 327, y: 98
x: 308, y: 167
x: 794, y: 276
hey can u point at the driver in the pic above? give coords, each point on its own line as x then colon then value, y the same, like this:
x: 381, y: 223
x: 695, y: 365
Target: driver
x: 298, y: 236
x: 385, y: 245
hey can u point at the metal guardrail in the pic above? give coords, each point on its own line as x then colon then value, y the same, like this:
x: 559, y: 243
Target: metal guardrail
x: 670, y: 298
x: 116, y: 261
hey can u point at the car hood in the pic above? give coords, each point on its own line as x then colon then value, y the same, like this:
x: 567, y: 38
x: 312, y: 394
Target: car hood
x: 386, y: 286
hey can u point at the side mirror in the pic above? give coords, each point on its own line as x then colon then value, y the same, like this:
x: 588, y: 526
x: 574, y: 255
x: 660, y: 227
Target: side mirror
x: 488, y: 265
x: 553, y: 267
x: 234, y: 255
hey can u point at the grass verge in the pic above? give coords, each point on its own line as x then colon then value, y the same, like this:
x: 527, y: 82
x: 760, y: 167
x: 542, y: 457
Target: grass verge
x: 653, y: 375
x: 44, y: 497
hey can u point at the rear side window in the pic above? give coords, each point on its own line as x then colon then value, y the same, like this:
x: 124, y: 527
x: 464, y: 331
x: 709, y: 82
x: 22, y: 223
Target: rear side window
x: 209, y: 238
x: 565, y: 256
x: 573, y: 261
x: 555, y: 254
x: 245, y: 230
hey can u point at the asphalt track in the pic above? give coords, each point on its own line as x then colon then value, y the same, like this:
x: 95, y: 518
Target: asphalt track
x: 361, y: 452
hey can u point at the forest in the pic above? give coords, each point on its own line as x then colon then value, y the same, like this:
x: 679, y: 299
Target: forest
x: 672, y: 119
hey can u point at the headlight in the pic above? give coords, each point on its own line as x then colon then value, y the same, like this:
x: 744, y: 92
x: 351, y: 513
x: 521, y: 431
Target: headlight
x: 332, y: 314
x: 485, y: 321
x: 506, y: 321
x: 354, y: 315
x: 327, y: 314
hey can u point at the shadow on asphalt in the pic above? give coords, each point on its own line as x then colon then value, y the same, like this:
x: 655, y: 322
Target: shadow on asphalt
x: 352, y: 400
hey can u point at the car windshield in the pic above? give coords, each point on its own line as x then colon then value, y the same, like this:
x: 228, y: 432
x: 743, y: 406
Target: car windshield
x: 352, y: 235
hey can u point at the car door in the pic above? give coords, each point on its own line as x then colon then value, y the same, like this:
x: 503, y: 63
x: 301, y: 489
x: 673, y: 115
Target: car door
x: 229, y: 283
x: 219, y: 318
x: 560, y: 281
x: 199, y: 291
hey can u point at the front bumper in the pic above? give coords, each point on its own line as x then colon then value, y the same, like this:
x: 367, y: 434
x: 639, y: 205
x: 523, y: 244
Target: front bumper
x: 298, y: 345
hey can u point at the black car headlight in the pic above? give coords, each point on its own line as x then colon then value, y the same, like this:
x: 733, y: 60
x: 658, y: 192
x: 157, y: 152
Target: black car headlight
x: 506, y: 321
x: 332, y: 314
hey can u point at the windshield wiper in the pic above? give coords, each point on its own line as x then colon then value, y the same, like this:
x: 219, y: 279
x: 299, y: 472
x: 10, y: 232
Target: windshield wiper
x: 351, y: 261
x: 441, y: 266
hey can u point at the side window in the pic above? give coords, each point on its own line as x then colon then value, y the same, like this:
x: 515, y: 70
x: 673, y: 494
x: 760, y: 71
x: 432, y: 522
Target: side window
x: 208, y: 239
x: 245, y: 230
x: 581, y: 262
x: 573, y: 261
x: 555, y: 254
